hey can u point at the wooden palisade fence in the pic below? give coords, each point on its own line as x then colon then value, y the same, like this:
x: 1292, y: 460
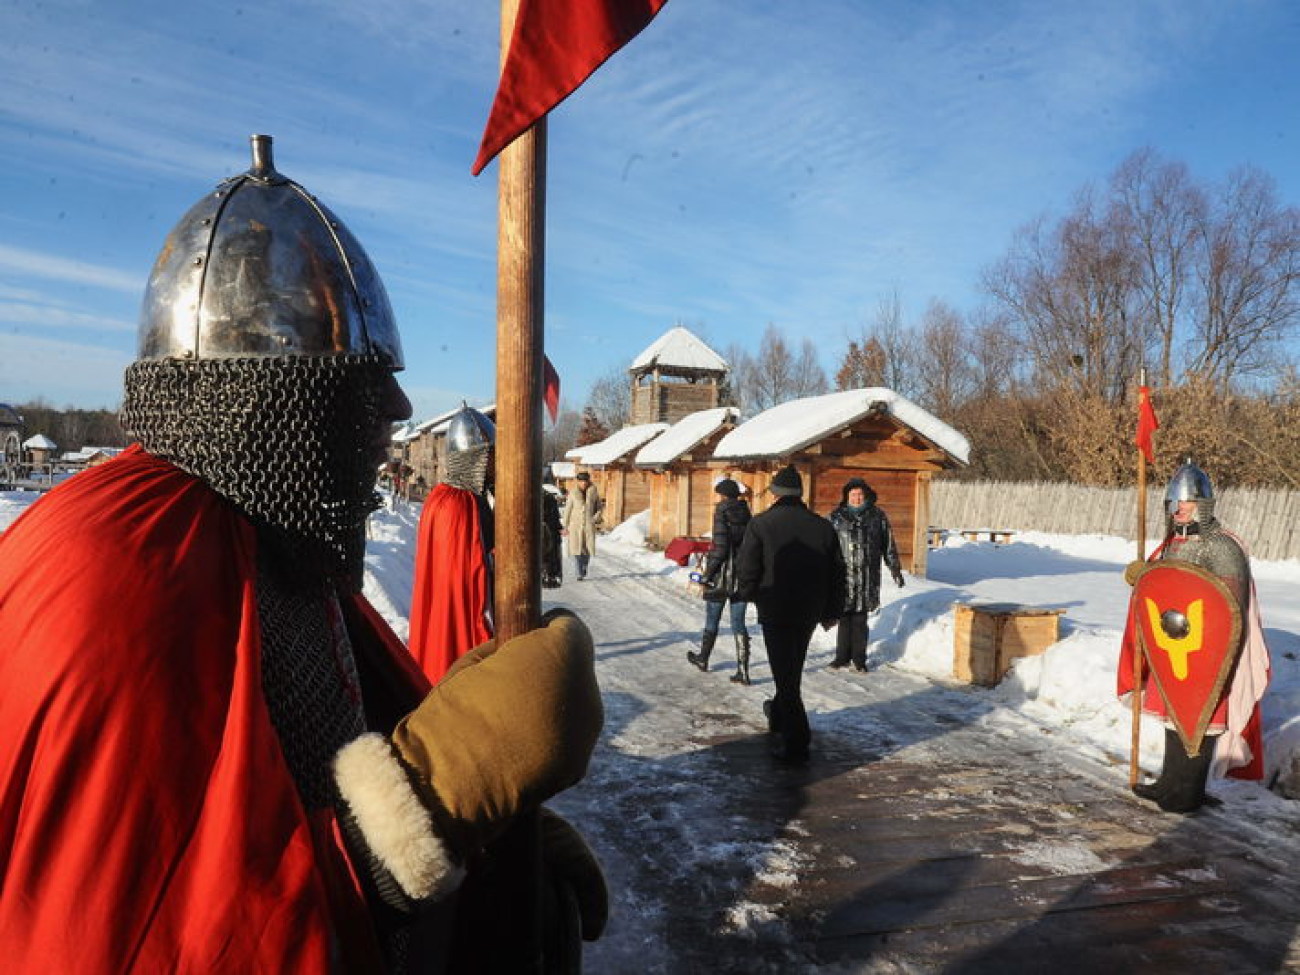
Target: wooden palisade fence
x: 1266, y: 519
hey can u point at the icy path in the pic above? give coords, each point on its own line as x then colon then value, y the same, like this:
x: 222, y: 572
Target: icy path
x: 717, y: 857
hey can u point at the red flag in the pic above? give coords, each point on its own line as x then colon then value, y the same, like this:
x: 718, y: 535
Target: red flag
x: 555, y: 47
x: 550, y: 388
x: 1147, y: 424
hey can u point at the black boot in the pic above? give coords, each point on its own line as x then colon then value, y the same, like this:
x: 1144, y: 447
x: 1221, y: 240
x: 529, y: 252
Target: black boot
x: 701, y: 659
x: 741, y: 676
x: 1181, y: 786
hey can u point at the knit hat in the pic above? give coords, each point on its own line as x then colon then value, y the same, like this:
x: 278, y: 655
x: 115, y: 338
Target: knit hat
x: 727, y: 488
x: 787, y: 483
x: 584, y: 476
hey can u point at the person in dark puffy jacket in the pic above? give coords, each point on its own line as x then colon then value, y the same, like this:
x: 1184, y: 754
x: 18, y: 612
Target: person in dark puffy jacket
x: 866, y: 541
x: 730, y: 519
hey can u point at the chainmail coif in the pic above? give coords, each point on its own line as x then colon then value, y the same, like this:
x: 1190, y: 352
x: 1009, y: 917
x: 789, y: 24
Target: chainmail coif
x: 286, y: 439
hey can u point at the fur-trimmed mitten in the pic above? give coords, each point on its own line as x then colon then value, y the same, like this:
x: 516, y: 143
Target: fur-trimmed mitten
x: 505, y: 729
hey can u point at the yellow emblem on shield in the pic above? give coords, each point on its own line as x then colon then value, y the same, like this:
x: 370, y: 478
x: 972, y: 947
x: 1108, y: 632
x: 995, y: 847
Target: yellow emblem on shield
x: 1178, y: 648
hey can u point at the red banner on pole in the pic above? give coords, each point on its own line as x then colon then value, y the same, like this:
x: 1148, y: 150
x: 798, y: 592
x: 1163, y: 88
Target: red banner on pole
x: 1147, y: 424
x: 555, y: 47
x: 550, y: 388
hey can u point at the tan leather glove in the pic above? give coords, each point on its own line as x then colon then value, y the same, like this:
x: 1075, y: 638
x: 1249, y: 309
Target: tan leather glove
x: 505, y: 729
x: 567, y: 858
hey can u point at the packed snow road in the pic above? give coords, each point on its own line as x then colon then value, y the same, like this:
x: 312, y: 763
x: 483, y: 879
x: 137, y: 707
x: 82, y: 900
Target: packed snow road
x: 933, y: 830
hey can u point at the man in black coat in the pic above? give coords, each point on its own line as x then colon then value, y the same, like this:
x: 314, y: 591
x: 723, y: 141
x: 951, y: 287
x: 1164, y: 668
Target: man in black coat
x: 792, y: 568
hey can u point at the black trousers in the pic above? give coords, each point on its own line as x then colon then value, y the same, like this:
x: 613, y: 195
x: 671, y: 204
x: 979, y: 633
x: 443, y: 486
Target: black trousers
x: 787, y: 649
x: 851, y: 639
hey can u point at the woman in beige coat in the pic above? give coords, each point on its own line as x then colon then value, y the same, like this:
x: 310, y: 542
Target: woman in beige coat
x: 581, y: 519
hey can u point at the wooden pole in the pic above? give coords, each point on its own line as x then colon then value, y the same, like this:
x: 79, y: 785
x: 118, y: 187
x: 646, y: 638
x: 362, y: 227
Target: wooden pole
x: 520, y: 263
x: 1134, y: 769
x: 505, y: 934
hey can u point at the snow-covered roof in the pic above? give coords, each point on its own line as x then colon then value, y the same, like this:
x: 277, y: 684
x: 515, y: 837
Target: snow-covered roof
x: 616, y: 445
x: 439, y: 423
x: 679, y: 349
x: 40, y: 442
x: 794, y: 425
x: 86, y: 453
x: 563, y: 470
x: 405, y: 431
x: 686, y: 433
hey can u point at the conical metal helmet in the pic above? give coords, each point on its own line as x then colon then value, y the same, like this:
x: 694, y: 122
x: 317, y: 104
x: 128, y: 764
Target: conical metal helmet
x: 261, y: 268
x: 1189, y: 483
x: 468, y: 429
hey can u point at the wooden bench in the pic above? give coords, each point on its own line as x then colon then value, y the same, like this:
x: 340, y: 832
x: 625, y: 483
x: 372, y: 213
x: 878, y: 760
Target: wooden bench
x: 998, y: 536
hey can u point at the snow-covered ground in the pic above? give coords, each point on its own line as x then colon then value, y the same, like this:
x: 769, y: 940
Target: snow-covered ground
x: 645, y: 618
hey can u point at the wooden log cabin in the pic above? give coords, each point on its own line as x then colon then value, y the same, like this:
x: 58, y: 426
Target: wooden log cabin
x: 681, y: 488
x: 872, y: 433
x: 623, y: 486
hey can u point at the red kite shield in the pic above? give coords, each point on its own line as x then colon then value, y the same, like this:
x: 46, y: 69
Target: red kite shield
x: 1189, y: 627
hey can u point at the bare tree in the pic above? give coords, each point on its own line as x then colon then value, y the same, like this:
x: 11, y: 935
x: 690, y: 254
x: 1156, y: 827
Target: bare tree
x: 1072, y: 292
x: 610, y: 399
x: 562, y: 436
x: 863, y: 365
x: 1163, y: 213
x: 948, y: 379
x: 1248, y: 282
x: 776, y: 374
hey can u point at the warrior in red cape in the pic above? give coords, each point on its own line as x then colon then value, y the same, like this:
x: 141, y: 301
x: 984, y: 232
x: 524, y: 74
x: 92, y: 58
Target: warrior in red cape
x: 451, y: 602
x: 214, y: 754
x: 1233, y: 744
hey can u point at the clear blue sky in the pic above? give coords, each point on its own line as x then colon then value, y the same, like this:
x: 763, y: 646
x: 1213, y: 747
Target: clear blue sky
x: 741, y: 163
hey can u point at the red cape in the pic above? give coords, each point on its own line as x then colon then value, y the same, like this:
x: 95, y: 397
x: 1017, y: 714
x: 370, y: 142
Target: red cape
x: 148, y: 821
x: 449, y: 603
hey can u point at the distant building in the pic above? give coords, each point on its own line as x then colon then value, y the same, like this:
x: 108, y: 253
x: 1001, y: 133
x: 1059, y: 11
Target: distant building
x: 11, y: 426
x: 623, y: 487
x: 872, y: 433
x: 37, y: 452
x: 681, y: 493
x: 676, y: 376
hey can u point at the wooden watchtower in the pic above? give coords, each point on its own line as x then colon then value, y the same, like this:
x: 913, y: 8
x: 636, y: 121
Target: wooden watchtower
x: 676, y: 376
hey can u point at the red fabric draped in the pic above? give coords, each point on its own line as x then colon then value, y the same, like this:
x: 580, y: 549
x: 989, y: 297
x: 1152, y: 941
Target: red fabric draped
x: 449, y: 602
x: 556, y: 46
x: 147, y: 819
x: 1147, y: 425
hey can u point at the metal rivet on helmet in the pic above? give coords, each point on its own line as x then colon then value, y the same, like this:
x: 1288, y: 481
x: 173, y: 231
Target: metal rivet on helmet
x: 276, y: 274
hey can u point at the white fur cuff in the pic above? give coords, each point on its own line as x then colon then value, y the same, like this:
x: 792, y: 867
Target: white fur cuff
x: 394, y: 823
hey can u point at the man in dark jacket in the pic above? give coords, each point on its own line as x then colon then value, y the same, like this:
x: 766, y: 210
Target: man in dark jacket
x: 791, y: 566
x: 866, y: 541
x: 730, y: 519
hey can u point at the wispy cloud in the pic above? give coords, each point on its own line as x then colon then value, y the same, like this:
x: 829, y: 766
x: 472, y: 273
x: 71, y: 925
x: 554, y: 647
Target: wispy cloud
x: 62, y: 270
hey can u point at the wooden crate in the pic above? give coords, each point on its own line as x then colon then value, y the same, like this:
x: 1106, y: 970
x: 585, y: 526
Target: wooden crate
x: 988, y: 637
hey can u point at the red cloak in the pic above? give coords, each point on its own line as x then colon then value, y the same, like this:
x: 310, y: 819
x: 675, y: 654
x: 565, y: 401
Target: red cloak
x: 449, y: 602
x: 148, y: 821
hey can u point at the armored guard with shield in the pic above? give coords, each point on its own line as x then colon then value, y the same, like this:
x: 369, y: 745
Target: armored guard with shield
x: 1193, y: 618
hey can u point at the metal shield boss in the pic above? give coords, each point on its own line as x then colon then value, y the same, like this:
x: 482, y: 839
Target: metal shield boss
x: 1189, y: 627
